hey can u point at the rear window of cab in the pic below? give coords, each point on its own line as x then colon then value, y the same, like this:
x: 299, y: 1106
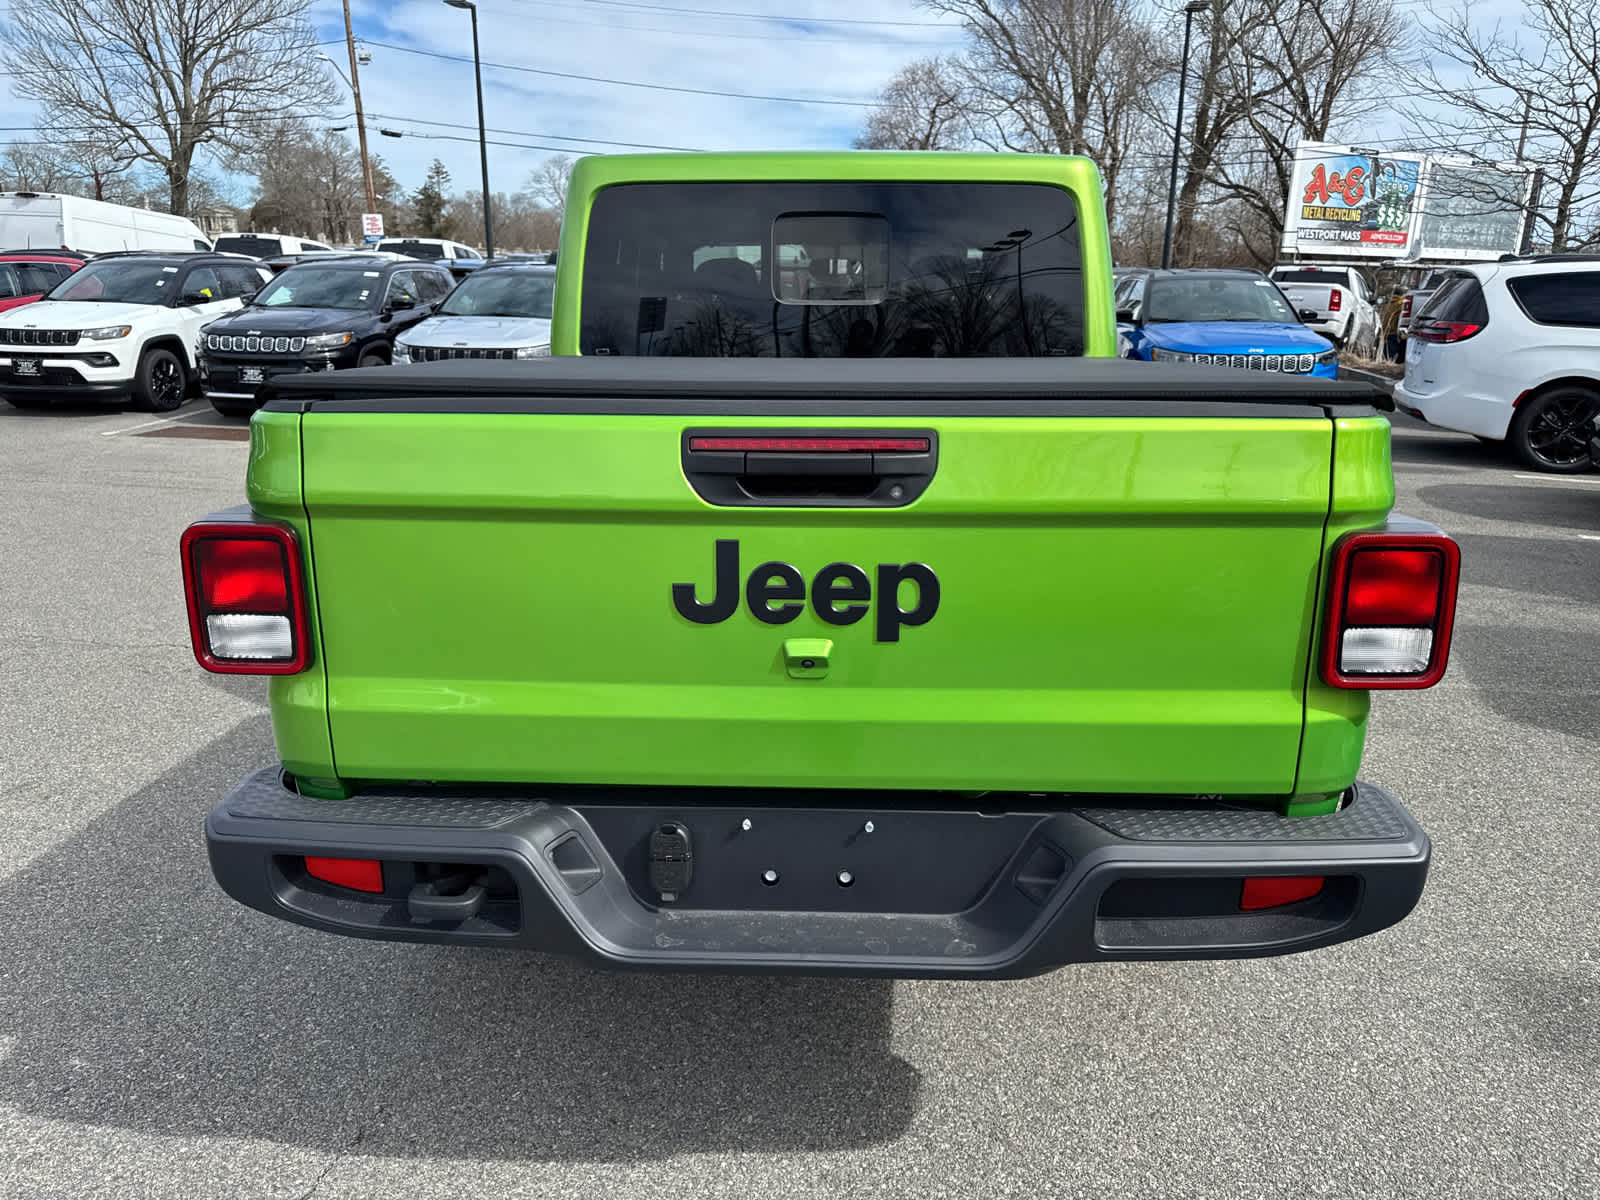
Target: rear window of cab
x: 831, y: 270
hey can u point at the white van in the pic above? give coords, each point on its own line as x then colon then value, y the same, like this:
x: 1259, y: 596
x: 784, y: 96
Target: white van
x: 267, y: 245
x: 43, y: 221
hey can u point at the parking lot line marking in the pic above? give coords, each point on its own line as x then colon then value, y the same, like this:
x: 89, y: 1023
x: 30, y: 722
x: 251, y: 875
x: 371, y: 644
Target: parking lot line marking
x: 1578, y: 479
x: 152, y: 424
x: 1590, y: 537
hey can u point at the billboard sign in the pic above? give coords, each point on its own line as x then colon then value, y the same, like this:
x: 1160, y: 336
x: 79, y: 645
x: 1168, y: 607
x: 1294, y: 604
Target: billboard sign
x: 1345, y: 202
x: 1471, y: 211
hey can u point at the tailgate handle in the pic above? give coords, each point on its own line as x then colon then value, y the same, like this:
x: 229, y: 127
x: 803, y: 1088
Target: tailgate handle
x: 810, y: 468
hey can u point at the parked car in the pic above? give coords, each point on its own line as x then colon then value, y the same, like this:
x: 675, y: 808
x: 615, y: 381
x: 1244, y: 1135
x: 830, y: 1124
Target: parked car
x: 1340, y: 301
x: 316, y: 316
x: 459, y: 259
x: 1510, y: 352
x: 501, y: 311
x: 266, y: 245
x: 26, y: 275
x: 44, y: 221
x: 123, y: 326
x: 1218, y: 318
x: 1417, y: 298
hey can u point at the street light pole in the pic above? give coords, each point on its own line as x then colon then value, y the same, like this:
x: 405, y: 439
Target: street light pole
x: 483, y: 134
x: 361, y: 119
x: 1189, y: 11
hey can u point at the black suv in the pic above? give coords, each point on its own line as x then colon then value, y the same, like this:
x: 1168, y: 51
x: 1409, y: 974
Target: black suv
x: 321, y: 315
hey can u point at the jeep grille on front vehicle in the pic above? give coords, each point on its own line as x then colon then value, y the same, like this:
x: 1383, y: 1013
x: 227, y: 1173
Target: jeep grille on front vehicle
x: 1391, y: 604
x: 246, y: 598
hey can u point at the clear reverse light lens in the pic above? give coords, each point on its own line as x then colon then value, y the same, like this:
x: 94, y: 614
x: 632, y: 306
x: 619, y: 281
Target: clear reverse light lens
x: 249, y: 636
x: 1384, y: 651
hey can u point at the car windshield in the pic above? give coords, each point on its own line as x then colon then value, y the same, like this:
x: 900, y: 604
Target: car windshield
x: 321, y: 287
x: 249, y: 243
x: 1214, y: 298
x: 503, y: 294
x: 1309, y: 276
x: 426, y: 251
x: 127, y: 281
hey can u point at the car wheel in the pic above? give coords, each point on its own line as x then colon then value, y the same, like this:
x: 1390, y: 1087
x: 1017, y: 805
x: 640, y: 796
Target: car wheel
x: 160, y: 385
x: 28, y: 402
x: 1551, y: 432
x: 373, y: 358
x: 234, y: 408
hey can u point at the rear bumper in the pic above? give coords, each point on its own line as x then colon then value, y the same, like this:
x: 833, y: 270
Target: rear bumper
x: 932, y: 892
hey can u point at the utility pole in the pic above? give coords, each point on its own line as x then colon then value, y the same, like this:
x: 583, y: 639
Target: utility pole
x: 1531, y: 211
x: 1189, y: 10
x: 361, y: 120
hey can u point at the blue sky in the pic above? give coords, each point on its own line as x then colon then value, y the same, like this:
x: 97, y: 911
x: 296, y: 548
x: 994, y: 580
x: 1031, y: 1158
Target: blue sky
x: 792, y: 51
x: 812, y: 49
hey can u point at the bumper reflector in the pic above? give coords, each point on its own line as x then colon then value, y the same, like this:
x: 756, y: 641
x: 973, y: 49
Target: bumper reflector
x: 1272, y: 891
x: 1384, y: 651
x: 249, y: 635
x: 358, y: 874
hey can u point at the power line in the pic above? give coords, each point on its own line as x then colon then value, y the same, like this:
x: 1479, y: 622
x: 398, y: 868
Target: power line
x: 558, y: 137
x: 701, y: 34
x: 655, y: 87
x: 784, y: 18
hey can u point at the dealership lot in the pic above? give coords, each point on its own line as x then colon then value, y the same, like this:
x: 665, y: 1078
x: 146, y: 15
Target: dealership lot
x: 158, y: 1040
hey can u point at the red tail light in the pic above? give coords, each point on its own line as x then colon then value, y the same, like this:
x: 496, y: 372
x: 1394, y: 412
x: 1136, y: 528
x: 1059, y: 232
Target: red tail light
x: 1391, y: 605
x: 1405, y: 309
x: 247, y: 607
x: 1335, y: 299
x: 1446, y: 331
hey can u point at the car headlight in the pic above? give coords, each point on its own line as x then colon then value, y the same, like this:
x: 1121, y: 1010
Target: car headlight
x: 534, y: 351
x: 329, y: 341
x: 1159, y: 355
x: 1327, y: 358
x: 402, y: 353
x: 107, y: 332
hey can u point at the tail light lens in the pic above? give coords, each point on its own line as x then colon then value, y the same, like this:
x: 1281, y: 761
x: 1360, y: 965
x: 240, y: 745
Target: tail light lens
x: 247, y: 609
x: 1405, y: 309
x: 1391, y: 604
x: 1335, y: 299
x: 1447, y: 331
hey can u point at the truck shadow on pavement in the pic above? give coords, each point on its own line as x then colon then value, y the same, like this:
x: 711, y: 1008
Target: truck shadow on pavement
x: 134, y: 994
x: 1462, y: 450
x: 1524, y: 502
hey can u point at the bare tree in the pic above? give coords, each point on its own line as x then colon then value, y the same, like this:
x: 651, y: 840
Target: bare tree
x: 1059, y: 76
x: 1291, y: 71
x: 1535, y: 94
x: 548, y: 182
x: 30, y: 167
x: 164, y: 78
x: 310, y: 184
x: 922, y: 109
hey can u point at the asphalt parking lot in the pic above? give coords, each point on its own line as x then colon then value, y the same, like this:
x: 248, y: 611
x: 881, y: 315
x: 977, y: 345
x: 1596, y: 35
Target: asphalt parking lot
x: 158, y: 1040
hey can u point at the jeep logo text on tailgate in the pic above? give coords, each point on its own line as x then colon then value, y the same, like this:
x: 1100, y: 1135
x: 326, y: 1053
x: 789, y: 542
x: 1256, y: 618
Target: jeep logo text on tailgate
x: 841, y: 593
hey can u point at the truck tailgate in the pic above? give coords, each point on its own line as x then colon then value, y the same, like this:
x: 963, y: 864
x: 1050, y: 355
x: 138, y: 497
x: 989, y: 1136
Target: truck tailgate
x: 1309, y: 295
x: 1122, y: 597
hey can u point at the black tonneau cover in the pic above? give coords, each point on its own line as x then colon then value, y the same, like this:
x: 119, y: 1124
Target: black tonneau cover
x: 994, y: 387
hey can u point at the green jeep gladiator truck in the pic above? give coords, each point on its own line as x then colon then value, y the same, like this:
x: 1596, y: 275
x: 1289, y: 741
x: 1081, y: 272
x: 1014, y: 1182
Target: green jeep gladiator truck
x: 953, y: 647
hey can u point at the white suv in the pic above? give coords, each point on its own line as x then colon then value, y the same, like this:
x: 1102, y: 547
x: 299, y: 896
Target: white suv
x: 1510, y: 351
x: 125, y: 326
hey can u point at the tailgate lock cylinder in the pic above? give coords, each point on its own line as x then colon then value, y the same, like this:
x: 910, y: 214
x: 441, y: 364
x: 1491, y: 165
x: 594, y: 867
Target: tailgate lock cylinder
x: 671, y: 860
